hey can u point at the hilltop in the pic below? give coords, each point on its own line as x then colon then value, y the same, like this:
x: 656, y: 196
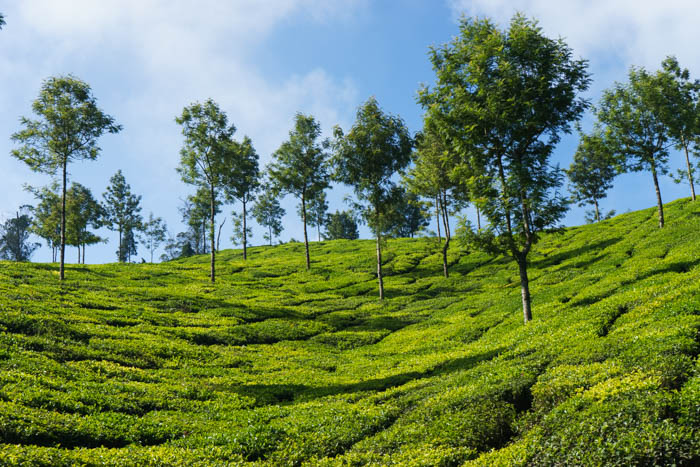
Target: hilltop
x: 152, y: 364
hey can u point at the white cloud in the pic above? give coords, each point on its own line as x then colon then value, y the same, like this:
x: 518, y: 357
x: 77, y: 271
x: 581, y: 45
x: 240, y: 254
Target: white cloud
x: 146, y: 60
x: 613, y: 34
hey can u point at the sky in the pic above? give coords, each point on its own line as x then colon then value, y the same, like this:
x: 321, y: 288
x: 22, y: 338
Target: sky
x: 264, y: 60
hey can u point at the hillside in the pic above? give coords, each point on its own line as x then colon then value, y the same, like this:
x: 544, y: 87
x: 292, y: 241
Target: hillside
x: 151, y: 364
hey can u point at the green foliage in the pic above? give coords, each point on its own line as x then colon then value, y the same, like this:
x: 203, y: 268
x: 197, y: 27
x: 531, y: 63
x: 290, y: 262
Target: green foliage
x: 341, y: 225
x: 377, y: 146
x: 209, y: 156
x: 300, y: 167
x: 593, y: 170
x: 67, y: 128
x: 502, y: 100
x: 638, y: 122
x: 153, y: 233
x: 122, y: 213
x: 268, y: 213
x: 317, y: 208
x: 148, y: 364
x: 14, y: 237
x: 46, y: 222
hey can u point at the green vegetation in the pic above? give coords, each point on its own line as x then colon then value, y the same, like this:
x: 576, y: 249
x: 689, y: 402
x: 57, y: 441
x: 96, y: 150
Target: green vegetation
x: 152, y: 365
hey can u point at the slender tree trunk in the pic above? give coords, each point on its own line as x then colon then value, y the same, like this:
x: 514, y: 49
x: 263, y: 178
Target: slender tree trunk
x: 448, y: 235
x: 245, y: 234
x: 379, y: 258
x: 690, y: 170
x: 658, y: 195
x: 437, y: 216
x: 63, y: 223
x: 306, y: 238
x: 478, y: 218
x: 525, y: 289
x: 120, y: 245
x: 318, y: 229
x: 212, y: 228
x: 84, y: 253
x: 218, y: 237
x: 270, y: 230
x: 597, y: 213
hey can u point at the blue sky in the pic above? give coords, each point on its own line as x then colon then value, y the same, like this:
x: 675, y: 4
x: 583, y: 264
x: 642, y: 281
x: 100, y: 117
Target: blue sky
x: 262, y: 61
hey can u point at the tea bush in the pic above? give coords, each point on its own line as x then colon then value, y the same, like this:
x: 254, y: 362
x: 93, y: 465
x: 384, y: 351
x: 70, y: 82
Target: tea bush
x: 276, y: 365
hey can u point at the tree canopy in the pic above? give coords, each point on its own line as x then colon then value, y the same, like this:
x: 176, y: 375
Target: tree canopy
x: 502, y: 99
x: 242, y: 181
x: 377, y: 146
x: 66, y: 129
x: 300, y: 166
x: 206, y: 157
x: 593, y: 170
x: 14, y: 237
x: 636, y: 128
x: 122, y: 211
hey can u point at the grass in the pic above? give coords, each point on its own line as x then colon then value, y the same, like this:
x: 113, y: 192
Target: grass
x: 153, y: 365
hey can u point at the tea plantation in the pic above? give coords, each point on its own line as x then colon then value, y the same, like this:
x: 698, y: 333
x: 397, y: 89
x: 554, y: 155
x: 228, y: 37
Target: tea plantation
x: 273, y: 365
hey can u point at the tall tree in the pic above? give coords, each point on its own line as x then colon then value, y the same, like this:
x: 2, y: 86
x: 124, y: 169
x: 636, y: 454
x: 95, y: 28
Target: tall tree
x: 592, y: 172
x: 242, y: 181
x: 681, y: 111
x: 502, y: 99
x: 206, y: 158
x: 377, y: 146
x: 636, y: 130
x: 316, y: 210
x: 268, y: 213
x: 82, y: 212
x: 154, y: 233
x: 68, y: 126
x: 2, y: 21
x: 14, y: 237
x: 300, y: 166
x: 341, y: 225
x: 122, y: 211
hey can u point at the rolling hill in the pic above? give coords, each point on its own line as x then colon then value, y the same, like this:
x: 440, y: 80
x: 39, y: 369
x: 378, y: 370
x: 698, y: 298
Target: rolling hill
x: 153, y: 365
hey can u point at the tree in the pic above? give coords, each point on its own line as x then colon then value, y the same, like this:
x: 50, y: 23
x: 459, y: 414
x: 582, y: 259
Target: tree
x: 316, y: 210
x: 14, y: 237
x: 300, y: 167
x: 195, y: 211
x: 241, y: 231
x: 242, y: 182
x: 592, y: 172
x: 268, y: 213
x: 82, y: 211
x: 406, y: 216
x: 2, y: 21
x: 341, y: 225
x: 46, y: 222
x: 154, y: 232
x: 377, y: 146
x: 122, y: 212
x: 681, y: 112
x: 67, y: 129
x: 432, y: 177
x: 502, y: 100
x: 636, y: 128
x: 206, y: 155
